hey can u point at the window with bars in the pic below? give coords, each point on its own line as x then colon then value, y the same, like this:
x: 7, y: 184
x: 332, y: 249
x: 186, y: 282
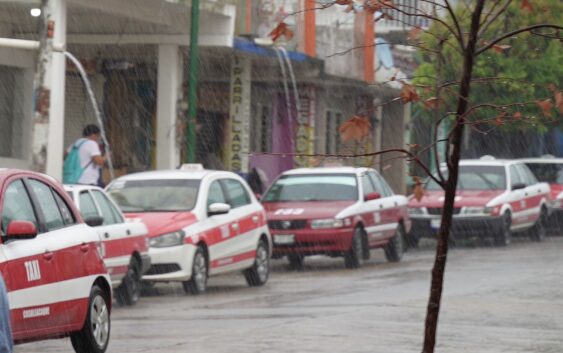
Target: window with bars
x: 261, y: 139
x: 332, y: 138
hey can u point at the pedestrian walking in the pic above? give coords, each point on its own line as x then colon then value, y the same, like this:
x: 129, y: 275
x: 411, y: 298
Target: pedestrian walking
x: 6, y: 339
x: 84, y: 159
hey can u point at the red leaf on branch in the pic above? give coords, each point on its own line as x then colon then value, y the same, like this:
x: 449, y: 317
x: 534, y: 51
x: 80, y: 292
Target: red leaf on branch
x: 281, y: 30
x: 525, y: 5
x: 499, y: 48
x: 354, y: 129
x: 499, y: 120
x: 415, y: 33
x: 559, y: 101
x: 545, y: 106
x: 517, y: 116
x: 433, y: 103
x: 408, y: 93
x: 418, y: 191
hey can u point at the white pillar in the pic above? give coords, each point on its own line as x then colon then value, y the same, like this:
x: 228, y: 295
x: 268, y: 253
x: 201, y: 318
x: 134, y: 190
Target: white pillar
x: 56, y: 78
x: 169, y: 85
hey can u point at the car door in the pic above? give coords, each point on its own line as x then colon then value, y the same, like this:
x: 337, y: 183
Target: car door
x: 245, y: 220
x: 120, y: 239
x: 391, y: 203
x: 31, y: 275
x: 73, y: 248
x: 373, y: 211
x: 516, y: 196
x: 533, y: 194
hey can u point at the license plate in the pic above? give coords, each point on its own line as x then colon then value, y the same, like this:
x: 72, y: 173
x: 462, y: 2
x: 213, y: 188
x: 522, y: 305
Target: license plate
x: 435, y: 223
x: 284, y: 239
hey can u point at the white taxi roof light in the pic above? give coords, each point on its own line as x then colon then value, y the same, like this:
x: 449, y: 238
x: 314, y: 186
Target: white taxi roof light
x: 192, y: 167
x: 487, y: 157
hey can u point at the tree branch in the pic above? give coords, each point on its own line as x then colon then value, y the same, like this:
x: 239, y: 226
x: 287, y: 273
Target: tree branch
x: 518, y: 31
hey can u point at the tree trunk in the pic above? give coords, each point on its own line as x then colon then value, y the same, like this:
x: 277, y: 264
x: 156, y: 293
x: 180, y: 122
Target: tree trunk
x: 433, y: 308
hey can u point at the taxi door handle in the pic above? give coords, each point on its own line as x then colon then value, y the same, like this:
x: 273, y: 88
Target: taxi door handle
x: 380, y: 206
x: 48, y: 256
x: 128, y: 232
x: 526, y: 194
x: 106, y: 235
x: 84, y: 248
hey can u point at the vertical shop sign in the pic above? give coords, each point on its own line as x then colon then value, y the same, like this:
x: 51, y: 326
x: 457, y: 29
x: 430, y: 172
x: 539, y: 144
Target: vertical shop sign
x: 305, y: 127
x: 239, y: 122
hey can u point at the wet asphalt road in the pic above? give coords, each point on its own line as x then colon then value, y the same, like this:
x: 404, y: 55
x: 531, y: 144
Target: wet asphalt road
x: 496, y: 300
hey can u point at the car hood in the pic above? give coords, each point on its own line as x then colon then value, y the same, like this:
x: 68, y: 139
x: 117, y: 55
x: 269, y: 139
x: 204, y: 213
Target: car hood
x: 464, y: 198
x: 305, y: 210
x: 159, y: 223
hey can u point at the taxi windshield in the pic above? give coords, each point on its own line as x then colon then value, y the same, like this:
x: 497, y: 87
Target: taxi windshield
x: 167, y: 195
x: 551, y: 173
x: 476, y: 177
x: 313, y: 187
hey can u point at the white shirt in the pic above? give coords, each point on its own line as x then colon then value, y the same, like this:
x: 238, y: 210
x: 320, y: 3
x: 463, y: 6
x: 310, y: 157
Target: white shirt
x: 86, y: 153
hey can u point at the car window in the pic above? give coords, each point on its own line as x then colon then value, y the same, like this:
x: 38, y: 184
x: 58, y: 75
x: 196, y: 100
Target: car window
x: 105, y: 207
x: 367, y: 184
x: 68, y: 217
x: 528, y: 176
x: 515, y: 177
x: 551, y: 173
x: 476, y: 177
x: 237, y: 194
x: 313, y: 187
x: 381, y: 185
x: 216, y: 194
x: 87, y: 206
x: 17, y: 205
x: 49, y: 207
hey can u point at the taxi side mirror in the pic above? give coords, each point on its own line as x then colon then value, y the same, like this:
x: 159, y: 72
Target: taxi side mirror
x: 94, y: 221
x: 20, y: 230
x: 518, y: 186
x: 373, y: 196
x: 218, y: 209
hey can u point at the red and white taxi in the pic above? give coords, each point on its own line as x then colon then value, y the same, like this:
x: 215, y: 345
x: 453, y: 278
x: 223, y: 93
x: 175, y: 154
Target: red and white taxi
x: 550, y: 170
x: 51, y: 263
x: 494, y: 198
x: 125, y: 245
x: 338, y: 211
x: 201, y: 223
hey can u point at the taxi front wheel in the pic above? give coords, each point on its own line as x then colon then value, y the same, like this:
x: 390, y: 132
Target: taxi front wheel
x: 129, y: 291
x: 395, y: 248
x: 198, y: 283
x: 94, y: 336
x: 355, y: 256
x: 258, y: 274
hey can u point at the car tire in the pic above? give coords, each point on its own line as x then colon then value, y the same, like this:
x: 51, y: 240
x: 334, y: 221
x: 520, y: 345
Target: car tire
x: 200, y: 272
x: 539, y: 230
x: 296, y: 261
x: 396, y: 246
x: 504, y: 236
x: 354, y: 257
x: 94, y: 335
x: 129, y: 291
x: 258, y: 274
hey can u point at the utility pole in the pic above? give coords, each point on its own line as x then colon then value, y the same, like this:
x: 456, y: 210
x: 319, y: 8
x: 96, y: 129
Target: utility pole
x: 193, y: 70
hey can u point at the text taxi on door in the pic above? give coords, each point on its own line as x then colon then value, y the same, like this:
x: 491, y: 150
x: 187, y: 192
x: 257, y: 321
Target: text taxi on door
x: 337, y: 211
x: 50, y: 260
x: 494, y: 199
x: 201, y: 223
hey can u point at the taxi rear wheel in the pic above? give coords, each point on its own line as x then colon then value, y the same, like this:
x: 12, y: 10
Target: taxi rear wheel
x: 198, y: 283
x: 129, y: 291
x: 94, y: 336
x: 395, y: 248
x: 258, y: 274
x: 354, y: 257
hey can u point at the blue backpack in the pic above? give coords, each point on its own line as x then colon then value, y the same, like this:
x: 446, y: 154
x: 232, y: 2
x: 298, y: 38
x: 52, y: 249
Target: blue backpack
x: 72, y: 171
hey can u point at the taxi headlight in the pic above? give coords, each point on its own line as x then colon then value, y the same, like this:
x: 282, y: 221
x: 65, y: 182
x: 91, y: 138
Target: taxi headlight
x: 167, y: 240
x: 477, y: 210
x: 327, y: 223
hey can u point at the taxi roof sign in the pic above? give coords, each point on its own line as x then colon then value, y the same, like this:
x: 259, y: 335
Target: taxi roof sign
x: 193, y: 167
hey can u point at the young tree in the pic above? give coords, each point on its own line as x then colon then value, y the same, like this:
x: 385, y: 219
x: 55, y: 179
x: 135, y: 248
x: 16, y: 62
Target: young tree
x: 457, y: 42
